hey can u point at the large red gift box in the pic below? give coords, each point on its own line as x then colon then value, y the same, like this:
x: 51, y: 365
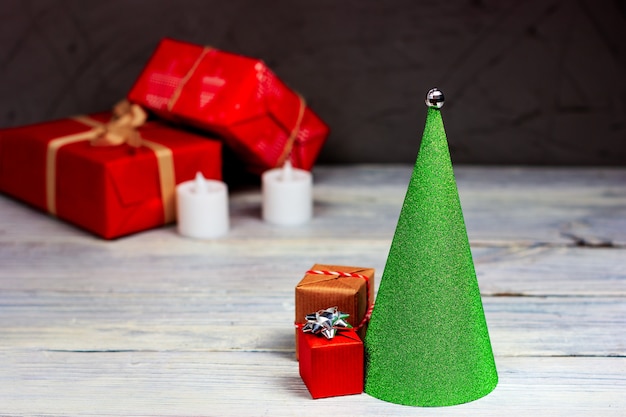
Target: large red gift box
x: 109, y: 190
x: 331, y: 367
x: 239, y: 98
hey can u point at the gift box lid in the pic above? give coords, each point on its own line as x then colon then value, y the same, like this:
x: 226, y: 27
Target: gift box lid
x: 343, y: 337
x: 311, y: 278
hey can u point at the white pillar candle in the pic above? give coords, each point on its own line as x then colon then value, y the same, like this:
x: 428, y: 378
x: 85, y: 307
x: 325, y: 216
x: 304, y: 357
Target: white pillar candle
x: 287, y: 195
x: 202, y: 207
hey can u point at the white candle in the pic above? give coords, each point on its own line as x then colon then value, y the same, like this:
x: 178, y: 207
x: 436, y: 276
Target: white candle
x: 202, y: 207
x: 287, y: 195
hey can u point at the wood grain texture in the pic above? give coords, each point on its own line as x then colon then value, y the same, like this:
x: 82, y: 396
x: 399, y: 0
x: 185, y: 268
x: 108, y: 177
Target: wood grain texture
x: 267, y: 384
x: 156, y: 324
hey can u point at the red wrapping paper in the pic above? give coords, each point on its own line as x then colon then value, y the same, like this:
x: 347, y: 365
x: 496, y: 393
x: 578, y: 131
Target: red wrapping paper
x: 331, y: 367
x: 111, y: 190
x: 237, y: 97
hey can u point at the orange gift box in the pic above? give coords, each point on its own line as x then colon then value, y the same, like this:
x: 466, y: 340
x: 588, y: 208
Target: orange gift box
x: 108, y: 190
x: 262, y: 120
x: 328, y: 288
x: 331, y: 367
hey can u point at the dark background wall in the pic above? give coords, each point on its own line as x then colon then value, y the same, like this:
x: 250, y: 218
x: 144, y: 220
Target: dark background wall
x: 526, y: 82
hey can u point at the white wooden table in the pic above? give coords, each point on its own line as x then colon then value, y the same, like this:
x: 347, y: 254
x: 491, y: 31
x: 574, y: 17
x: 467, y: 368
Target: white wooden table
x: 156, y: 324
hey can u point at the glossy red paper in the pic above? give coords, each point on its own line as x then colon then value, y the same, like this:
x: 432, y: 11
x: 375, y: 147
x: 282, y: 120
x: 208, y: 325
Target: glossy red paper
x: 236, y: 97
x: 110, y: 191
x: 331, y: 367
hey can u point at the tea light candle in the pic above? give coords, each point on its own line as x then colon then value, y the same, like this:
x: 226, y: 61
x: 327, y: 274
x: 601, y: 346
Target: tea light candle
x: 287, y: 195
x: 202, y: 208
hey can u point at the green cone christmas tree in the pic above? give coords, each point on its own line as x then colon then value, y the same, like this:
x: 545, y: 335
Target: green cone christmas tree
x: 427, y: 343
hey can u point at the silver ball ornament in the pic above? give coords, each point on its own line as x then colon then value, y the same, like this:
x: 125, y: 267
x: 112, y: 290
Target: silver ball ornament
x: 434, y: 98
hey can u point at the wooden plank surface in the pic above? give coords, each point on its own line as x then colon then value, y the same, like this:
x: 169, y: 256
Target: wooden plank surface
x: 156, y: 324
x: 183, y: 383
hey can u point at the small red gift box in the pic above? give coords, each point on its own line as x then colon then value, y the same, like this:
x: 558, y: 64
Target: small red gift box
x: 239, y: 98
x: 109, y: 190
x: 331, y: 367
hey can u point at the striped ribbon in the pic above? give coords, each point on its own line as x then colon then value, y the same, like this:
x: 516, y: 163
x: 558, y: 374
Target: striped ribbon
x: 368, y: 314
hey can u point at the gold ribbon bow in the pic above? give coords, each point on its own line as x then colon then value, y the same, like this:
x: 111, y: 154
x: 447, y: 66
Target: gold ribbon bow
x: 122, y: 128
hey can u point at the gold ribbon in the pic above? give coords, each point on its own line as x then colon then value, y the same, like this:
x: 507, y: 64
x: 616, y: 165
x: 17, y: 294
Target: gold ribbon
x: 186, y: 78
x: 294, y: 133
x: 121, y: 129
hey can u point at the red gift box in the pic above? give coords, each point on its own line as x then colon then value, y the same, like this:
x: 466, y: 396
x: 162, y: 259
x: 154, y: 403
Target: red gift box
x: 109, y: 190
x: 331, y: 367
x: 237, y: 97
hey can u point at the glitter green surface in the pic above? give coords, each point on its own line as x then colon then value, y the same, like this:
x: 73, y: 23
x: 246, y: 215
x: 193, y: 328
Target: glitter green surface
x: 427, y: 343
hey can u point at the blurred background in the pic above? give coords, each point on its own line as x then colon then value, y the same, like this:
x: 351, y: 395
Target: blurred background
x: 539, y: 82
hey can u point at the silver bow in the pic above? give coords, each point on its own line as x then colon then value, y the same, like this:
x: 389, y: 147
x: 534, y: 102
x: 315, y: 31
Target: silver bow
x: 326, y: 322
